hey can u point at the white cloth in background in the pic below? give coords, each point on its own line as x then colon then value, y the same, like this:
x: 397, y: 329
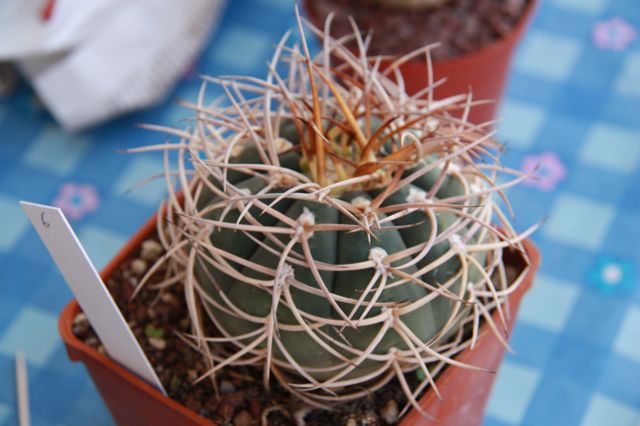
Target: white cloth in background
x: 25, y: 34
x: 112, y: 56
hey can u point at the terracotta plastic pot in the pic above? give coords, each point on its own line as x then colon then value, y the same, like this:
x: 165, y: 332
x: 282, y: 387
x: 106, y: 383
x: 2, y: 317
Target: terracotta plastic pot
x: 485, y: 71
x: 133, y: 402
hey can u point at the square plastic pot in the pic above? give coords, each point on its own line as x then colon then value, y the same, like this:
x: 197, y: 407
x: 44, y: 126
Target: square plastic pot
x: 132, y: 401
x: 484, y: 71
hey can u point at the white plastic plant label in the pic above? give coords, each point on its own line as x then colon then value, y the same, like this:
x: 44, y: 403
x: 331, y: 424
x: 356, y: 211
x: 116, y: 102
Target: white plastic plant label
x: 87, y: 286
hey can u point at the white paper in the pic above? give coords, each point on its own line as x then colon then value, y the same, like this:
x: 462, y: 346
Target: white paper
x: 130, y: 60
x: 87, y: 286
x: 24, y: 33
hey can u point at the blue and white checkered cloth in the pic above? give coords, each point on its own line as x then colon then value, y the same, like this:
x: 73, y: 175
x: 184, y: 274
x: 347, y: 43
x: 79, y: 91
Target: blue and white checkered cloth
x: 572, y: 108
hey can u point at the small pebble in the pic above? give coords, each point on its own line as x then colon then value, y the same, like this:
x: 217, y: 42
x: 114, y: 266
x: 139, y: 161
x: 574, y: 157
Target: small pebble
x: 350, y: 421
x: 369, y: 419
x: 80, y: 324
x: 226, y: 387
x: 389, y: 412
x: 159, y: 344
x: 243, y: 418
x: 80, y: 319
x: 300, y: 415
x: 139, y: 267
x: 151, y: 250
x: 168, y: 298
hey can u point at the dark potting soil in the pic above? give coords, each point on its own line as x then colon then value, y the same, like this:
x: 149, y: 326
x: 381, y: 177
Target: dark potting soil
x: 460, y: 26
x: 155, y: 316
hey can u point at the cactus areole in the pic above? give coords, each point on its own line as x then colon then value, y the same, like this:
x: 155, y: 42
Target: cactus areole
x: 334, y: 230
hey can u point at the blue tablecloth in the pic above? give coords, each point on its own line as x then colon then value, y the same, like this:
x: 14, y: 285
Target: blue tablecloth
x: 573, y: 106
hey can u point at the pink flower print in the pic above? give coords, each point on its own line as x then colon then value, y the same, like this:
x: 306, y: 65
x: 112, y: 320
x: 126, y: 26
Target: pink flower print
x: 610, y: 274
x: 76, y: 201
x: 613, y: 34
x: 547, y: 171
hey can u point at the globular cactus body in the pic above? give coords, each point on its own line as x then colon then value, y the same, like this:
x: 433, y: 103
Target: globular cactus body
x: 335, y: 247
x: 336, y: 231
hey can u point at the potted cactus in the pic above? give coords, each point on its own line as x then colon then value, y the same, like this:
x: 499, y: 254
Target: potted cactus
x: 475, y: 40
x: 334, y: 235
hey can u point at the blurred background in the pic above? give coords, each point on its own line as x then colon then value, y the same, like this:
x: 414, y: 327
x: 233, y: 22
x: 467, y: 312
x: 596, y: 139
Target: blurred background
x: 571, y: 109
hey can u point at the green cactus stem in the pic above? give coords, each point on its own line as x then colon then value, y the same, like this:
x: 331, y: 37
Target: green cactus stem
x: 335, y: 231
